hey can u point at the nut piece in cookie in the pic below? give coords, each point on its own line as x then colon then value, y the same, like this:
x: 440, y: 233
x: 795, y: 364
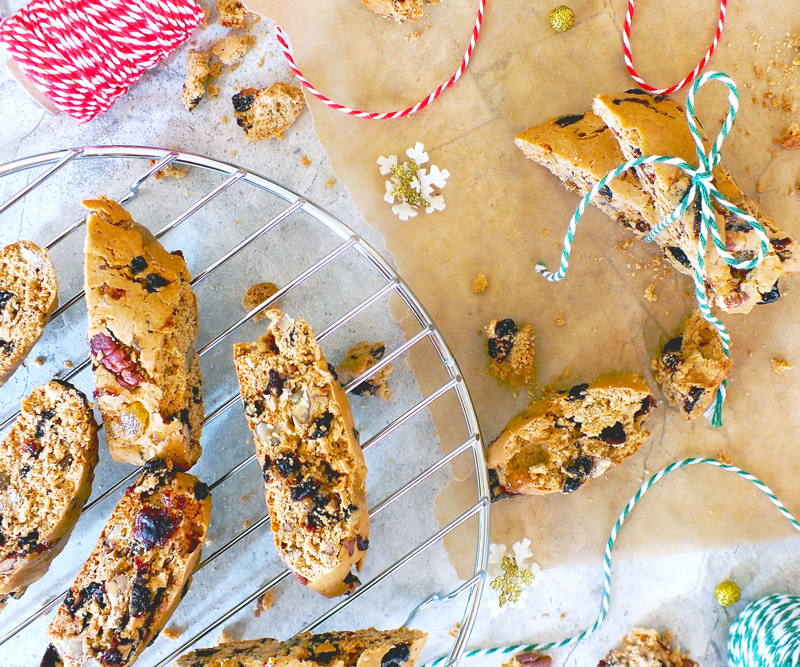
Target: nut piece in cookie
x: 231, y: 13
x: 399, y: 10
x: 47, y: 466
x: 28, y: 294
x: 692, y: 366
x: 359, y: 648
x: 142, y: 333
x: 307, y: 446
x: 569, y: 437
x: 198, y: 70
x: 646, y: 648
x: 359, y: 359
x: 256, y: 295
x: 511, y: 351
x: 137, y: 572
x: 267, y: 113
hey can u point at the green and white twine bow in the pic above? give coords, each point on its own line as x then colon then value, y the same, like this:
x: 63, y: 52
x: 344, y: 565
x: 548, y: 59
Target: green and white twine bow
x: 703, y: 188
x: 766, y: 633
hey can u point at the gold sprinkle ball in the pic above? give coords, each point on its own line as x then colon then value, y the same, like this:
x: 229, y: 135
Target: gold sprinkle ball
x: 727, y: 593
x: 562, y: 18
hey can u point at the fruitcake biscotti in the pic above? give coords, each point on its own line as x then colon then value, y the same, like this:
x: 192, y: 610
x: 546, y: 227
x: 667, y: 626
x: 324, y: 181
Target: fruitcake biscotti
x: 142, y: 332
x: 361, y: 648
x: 656, y: 125
x: 46, y: 470
x: 570, y: 437
x: 28, y: 294
x: 308, y: 448
x: 137, y: 573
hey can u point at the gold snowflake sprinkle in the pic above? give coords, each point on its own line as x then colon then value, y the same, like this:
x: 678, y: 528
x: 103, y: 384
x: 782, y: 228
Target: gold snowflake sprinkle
x: 403, y: 189
x: 512, y: 580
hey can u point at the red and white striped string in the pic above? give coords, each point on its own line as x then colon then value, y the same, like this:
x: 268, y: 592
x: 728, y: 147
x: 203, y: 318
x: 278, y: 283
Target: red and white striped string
x: 424, y: 102
x: 626, y: 47
x: 84, y: 54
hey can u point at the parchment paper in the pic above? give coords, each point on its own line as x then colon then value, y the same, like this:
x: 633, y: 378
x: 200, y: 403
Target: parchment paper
x: 505, y: 213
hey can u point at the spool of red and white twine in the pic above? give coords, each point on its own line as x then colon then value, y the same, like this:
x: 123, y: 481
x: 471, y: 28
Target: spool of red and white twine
x: 83, y: 54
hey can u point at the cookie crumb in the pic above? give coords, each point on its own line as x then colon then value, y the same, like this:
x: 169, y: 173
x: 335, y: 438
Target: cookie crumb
x: 224, y: 120
x: 479, y: 284
x: 257, y: 294
x: 306, y: 161
x: 723, y: 457
x: 791, y: 138
x: 560, y: 321
x: 213, y: 91
x: 264, y: 603
x: 455, y: 630
x: 650, y: 293
x: 170, y: 633
x: 399, y: 10
x: 225, y: 637
x: 760, y: 186
x: 357, y: 361
x: 67, y: 364
x: 170, y: 171
x: 625, y: 244
x: 780, y: 366
x: 246, y: 525
x: 232, y: 49
x: 198, y: 71
x: 232, y: 13
x: 39, y: 361
x: 330, y: 183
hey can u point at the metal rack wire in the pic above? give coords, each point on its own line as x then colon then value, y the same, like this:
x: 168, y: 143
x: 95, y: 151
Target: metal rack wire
x: 392, y: 285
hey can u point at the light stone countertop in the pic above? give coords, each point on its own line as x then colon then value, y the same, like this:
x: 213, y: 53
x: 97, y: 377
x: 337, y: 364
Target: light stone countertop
x: 674, y: 592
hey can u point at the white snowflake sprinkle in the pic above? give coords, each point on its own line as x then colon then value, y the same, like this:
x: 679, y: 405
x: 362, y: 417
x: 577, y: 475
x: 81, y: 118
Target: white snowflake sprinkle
x: 410, y: 187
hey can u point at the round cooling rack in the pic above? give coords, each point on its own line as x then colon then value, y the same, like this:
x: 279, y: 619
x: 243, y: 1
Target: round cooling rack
x: 237, y: 228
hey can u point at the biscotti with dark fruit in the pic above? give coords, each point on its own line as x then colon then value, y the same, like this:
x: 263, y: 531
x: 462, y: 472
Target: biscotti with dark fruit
x: 47, y: 466
x: 137, y: 573
x: 569, y: 437
x: 647, y: 648
x: 142, y: 333
x: 28, y: 294
x: 361, y: 648
x: 308, y: 449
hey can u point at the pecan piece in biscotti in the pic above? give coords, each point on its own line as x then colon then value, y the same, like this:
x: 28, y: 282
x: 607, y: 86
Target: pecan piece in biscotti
x: 108, y: 352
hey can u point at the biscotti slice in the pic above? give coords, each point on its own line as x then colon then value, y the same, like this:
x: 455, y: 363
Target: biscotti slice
x: 142, y: 332
x: 529, y: 659
x: 357, y: 361
x: 511, y: 350
x: 308, y: 448
x: 46, y: 470
x: 28, y: 294
x: 692, y: 366
x: 136, y: 575
x: 581, y: 149
x: 646, y: 648
x: 361, y: 648
x: 656, y: 125
x: 570, y: 437
x: 267, y: 113
x: 399, y: 10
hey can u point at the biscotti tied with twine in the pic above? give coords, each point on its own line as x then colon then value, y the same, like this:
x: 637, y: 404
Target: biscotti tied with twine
x: 28, y: 294
x: 360, y: 648
x: 136, y: 574
x: 47, y: 466
x: 142, y: 333
x: 308, y: 449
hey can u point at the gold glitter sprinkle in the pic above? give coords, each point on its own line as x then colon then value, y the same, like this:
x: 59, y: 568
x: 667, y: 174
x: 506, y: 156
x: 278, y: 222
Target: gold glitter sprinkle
x: 403, y: 191
x: 512, y: 580
x: 562, y: 18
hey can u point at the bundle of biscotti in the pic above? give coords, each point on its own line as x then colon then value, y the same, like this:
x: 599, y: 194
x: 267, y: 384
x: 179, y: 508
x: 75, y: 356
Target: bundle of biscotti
x: 47, y: 466
x: 136, y: 574
x: 28, y: 294
x: 360, y: 648
x: 142, y: 333
x: 308, y: 449
x: 582, y: 148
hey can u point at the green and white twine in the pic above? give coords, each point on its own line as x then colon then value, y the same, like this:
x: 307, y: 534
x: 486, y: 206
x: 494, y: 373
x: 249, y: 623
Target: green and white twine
x: 766, y: 633
x: 702, y: 185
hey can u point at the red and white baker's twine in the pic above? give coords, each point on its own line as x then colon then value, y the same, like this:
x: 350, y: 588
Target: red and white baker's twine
x: 388, y: 115
x: 626, y: 47
x: 84, y: 54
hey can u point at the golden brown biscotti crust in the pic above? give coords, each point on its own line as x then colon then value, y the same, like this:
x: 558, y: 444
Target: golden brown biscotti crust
x: 360, y: 648
x: 28, y: 294
x: 142, y: 333
x: 306, y: 443
x: 47, y: 466
x: 570, y: 437
x: 136, y: 574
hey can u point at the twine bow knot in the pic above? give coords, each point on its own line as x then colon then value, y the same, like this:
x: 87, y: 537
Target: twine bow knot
x: 701, y: 193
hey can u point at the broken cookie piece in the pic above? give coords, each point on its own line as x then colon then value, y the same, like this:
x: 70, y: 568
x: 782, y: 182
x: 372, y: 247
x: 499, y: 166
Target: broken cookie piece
x: 360, y: 358
x: 267, y: 113
x: 511, y: 350
x: 231, y: 13
x: 198, y: 69
x: 256, y: 295
x: 233, y: 48
x: 791, y: 138
x: 692, y: 366
x: 399, y: 10
x: 646, y: 648
x: 569, y: 437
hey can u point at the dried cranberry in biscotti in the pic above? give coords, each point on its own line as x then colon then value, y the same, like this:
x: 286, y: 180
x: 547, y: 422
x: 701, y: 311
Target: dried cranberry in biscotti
x: 154, y: 526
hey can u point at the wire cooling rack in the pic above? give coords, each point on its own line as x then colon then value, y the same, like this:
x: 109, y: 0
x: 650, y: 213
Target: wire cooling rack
x: 245, y: 228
